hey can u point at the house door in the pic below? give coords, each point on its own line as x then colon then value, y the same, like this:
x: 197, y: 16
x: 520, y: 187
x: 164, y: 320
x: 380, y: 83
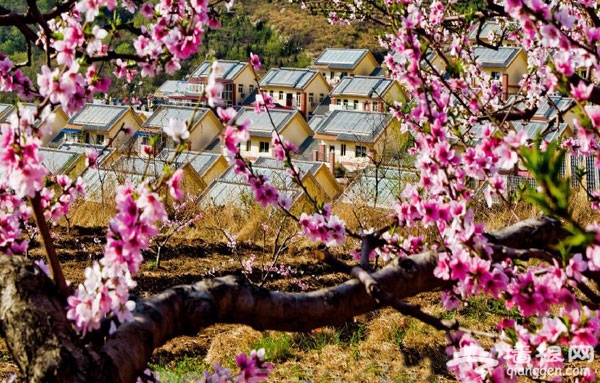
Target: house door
x: 289, y: 100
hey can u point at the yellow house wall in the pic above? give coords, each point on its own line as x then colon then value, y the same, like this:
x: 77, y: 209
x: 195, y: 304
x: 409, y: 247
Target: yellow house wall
x: 297, y: 130
x: 327, y: 182
x: 366, y: 66
x: 215, y: 171
x: 254, y: 153
x: 317, y: 86
x: 205, y: 132
x: 350, y: 158
x: 59, y: 122
x: 313, y: 187
x: 130, y: 121
x: 245, y: 78
x: 393, y: 94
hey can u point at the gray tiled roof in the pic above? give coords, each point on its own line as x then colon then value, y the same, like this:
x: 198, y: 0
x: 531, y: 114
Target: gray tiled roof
x: 547, y: 108
x: 348, y: 125
x: 261, y: 123
x: 7, y: 112
x: 232, y: 188
x: 201, y: 162
x: 288, y: 77
x: 98, y: 116
x: 230, y: 69
x: 173, y: 87
x: 500, y: 58
x: 148, y: 167
x: 57, y: 161
x: 84, y: 148
x: 551, y: 105
x: 488, y: 27
x: 102, y: 183
x: 304, y: 167
x: 339, y: 58
x: 363, y: 86
x: 534, y: 129
x: 4, y: 108
x: 389, y: 182
x: 161, y: 116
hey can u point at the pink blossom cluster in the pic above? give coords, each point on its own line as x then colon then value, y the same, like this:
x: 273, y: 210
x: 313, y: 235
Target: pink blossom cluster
x: 57, y: 205
x: 459, y: 150
x: 519, y: 347
x: 281, y: 147
x: 253, y: 369
x: 107, y: 284
x: 324, y: 227
x: 14, y: 80
x: 14, y: 214
x: 20, y: 163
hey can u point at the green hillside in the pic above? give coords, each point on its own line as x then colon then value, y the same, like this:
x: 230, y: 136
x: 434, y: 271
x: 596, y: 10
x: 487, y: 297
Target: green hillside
x: 281, y: 33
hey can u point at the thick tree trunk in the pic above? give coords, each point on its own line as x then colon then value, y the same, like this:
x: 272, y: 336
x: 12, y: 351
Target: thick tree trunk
x: 47, y: 349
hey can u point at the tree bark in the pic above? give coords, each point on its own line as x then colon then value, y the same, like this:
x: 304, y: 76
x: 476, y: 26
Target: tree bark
x: 47, y: 348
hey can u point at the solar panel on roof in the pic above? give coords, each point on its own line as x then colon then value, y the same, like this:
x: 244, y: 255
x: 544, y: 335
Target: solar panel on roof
x: 97, y: 115
x: 344, y: 58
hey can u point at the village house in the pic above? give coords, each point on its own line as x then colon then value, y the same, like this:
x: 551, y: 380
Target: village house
x: 337, y: 63
x: 7, y: 112
x: 153, y: 168
x: 288, y: 123
x: 99, y: 124
x: 203, y: 124
x: 326, y: 186
x: 209, y: 166
x: 354, y: 139
x: 506, y: 65
x: 58, y: 161
x: 365, y: 93
x: 233, y: 189
x: 293, y: 88
x: 174, y: 93
x: 493, y: 33
x: 237, y: 78
x: 378, y: 187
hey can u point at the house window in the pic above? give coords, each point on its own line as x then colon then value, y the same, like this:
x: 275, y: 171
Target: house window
x: 248, y: 145
x: 298, y: 99
x: 280, y: 95
x: 361, y: 151
x: 228, y: 94
x: 250, y: 88
x: 345, y: 104
x: 338, y: 102
x: 331, y: 148
x: 311, y: 98
x: 375, y: 106
x: 343, y: 149
x: 496, y: 75
x: 355, y: 104
x: 344, y: 74
x: 271, y: 93
x: 100, y: 139
x: 264, y: 147
x: 331, y: 75
x: 321, y: 97
x: 240, y: 88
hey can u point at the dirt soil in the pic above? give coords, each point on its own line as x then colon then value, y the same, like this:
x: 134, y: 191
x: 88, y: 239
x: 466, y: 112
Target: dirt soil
x: 183, y: 261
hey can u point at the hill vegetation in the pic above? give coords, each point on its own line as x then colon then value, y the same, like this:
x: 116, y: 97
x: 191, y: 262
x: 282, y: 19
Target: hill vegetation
x: 278, y: 31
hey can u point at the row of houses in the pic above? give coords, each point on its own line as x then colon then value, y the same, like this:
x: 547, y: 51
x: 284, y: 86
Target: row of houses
x: 335, y: 112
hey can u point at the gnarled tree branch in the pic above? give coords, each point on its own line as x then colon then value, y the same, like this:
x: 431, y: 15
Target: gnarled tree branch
x: 47, y: 349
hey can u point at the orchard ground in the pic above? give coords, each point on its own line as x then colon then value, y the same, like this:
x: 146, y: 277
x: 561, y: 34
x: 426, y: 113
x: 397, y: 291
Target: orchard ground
x: 383, y: 346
